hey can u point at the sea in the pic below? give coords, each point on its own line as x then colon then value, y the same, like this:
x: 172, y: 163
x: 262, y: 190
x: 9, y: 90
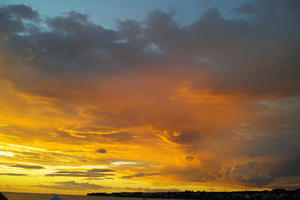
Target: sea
x: 31, y: 196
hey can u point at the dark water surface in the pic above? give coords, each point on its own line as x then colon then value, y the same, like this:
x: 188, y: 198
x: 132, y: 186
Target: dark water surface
x: 29, y: 196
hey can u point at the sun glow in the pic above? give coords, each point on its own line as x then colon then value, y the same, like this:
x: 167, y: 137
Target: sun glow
x: 6, y: 153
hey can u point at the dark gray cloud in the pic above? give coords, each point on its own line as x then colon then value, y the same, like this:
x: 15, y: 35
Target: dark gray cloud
x: 254, y: 154
x: 189, y: 158
x: 286, y: 167
x: 23, y: 12
x: 250, y: 174
x: 262, y: 46
x: 11, y: 19
x: 101, y: 151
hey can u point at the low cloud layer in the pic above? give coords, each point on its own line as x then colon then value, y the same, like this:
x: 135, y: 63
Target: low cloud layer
x: 72, y: 185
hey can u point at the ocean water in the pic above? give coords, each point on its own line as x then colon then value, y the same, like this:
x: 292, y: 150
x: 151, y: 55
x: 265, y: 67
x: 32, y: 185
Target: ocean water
x: 29, y: 196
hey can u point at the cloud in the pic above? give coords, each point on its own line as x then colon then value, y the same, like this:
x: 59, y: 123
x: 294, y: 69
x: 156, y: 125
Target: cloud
x: 215, y: 89
x: 6, y: 154
x: 28, y: 166
x: 99, y: 179
x: 12, y: 174
x: 100, y: 170
x: 101, y: 151
x: 101, y: 50
x: 73, y: 185
x: 11, y: 19
x: 250, y: 174
x: 94, y: 173
x: 254, y: 154
x: 140, y: 175
x: 204, y: 172
x: 149, y: 189
x: 31, y: 154
x: 247, y: 9
x: 287, y: 186
x: 125, y: 163
x: 23, y: 11
x: 189, y: 158
x: 21, y: 165
x: 286, y: 167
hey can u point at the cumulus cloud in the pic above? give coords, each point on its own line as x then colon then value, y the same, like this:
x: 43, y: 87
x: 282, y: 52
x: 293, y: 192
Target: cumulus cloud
x: 74, y: 44
x: 11, y: 19
x: 250, y: 174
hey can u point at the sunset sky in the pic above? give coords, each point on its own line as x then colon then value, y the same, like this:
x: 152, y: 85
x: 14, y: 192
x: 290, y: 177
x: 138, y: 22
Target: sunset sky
x: 149, y: 95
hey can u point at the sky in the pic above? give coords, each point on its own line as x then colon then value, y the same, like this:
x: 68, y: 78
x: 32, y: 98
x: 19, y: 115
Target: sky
x: 108, y: 96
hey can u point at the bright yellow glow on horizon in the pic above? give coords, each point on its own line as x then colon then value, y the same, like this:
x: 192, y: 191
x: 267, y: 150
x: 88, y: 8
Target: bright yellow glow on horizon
x: 5, y: 153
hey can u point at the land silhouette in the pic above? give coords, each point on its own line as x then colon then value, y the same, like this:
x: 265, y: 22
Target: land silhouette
x: 275, y: 194
x: 2, y: 197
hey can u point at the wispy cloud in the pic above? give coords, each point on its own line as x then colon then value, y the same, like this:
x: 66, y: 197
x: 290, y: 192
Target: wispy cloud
x: 96, y: 173
x: 28, y: 166
x: 140, y: 175
x: 12, y: 174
